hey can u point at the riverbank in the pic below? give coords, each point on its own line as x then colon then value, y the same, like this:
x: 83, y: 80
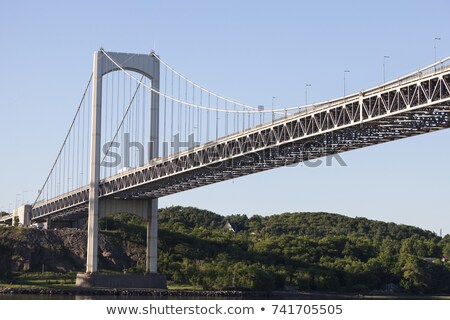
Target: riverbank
x: 111, y: 294
x: 129, y: 292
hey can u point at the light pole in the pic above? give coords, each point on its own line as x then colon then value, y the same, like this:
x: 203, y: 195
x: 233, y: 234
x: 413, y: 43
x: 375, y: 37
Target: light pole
x: 261, y: 114
x: 384, y: 67
x: 273, y: 103
x: 306, y: 93
x: 435, y: 45
x: 345, y: 71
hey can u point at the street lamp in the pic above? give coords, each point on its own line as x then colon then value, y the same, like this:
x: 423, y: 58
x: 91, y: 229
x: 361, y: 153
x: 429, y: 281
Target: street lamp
x: 273, y: 113
x: 306, y: 93
x: 435, y: 45
x: 345, y: 71
x: 384, y: 68
x: 261, y: 114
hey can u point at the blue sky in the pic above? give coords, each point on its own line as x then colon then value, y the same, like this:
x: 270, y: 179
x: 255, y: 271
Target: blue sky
x: 247, y: 50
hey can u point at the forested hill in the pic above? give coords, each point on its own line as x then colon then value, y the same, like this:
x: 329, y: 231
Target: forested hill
x: 305, y: 251
x: 312, y: 224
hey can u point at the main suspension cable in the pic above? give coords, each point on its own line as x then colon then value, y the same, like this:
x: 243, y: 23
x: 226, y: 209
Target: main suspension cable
x: 189, y: 104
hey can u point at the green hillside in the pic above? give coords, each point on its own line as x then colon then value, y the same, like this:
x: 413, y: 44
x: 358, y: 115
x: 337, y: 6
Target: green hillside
x: 305, y: 251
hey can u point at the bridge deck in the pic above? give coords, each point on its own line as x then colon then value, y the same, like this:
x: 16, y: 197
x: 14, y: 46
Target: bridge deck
x: 412, y: 105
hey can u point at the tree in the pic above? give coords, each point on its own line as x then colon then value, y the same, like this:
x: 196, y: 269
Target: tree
x: 446, y: 251
x: 16, y: 221
x: 415, y: 278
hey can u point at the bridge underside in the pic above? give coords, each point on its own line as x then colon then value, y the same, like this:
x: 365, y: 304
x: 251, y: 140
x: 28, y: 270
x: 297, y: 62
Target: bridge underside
x: 272, y: 147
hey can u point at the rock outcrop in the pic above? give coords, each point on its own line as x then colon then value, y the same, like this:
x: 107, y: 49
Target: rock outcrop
x: 27, y: 249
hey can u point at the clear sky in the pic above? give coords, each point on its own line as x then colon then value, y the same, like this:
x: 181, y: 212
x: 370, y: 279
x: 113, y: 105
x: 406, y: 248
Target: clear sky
x: 247, y: 50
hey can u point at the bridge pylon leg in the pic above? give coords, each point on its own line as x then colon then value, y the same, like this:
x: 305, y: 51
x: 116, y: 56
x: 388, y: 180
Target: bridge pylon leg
x: 93, y: 214
x: 152, y: 237
x: 149, y: 66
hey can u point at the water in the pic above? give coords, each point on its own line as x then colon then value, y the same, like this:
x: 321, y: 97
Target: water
x: 107, y: 297
x: 274, y: 296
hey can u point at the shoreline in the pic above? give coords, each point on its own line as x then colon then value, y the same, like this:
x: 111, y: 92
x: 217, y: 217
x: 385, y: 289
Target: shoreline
x: 155, y: 293
x: 126, y: 292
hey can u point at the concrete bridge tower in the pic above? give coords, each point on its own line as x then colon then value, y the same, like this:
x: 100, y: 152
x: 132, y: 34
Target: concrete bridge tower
x: 149, y: 66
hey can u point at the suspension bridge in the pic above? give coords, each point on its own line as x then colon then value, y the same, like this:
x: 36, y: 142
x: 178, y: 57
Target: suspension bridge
x: 143, y: 130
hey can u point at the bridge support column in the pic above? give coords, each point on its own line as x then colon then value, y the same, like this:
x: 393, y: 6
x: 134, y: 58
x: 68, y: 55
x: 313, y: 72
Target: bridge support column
x: 152, y: 237
x: 93, y: 213
x: 147, y: 65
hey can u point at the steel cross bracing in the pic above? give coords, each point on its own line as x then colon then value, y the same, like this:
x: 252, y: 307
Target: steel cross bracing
x: 400, y: 109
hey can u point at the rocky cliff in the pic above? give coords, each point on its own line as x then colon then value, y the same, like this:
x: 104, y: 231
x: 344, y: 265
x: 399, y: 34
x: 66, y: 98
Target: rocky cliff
x: 26, y: 249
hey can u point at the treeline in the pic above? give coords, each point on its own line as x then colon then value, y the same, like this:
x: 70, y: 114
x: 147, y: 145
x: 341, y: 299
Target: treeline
x: 306, y: 251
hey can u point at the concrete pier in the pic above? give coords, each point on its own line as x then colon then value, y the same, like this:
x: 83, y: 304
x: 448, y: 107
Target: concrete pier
x: 122, y: 281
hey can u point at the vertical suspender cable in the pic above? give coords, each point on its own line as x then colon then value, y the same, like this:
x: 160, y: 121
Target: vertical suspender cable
x: 122, y: 129
x: 78, y: 152
x: 118, y: 108
x: 186, y: 112
x: 112, y: 115
x: 165, y: 108
x: 217, y: 118
x: 207, y: 118
x: 235, y: 120
x: 63, y: 170
x: 106, y: 107
x: 171, y: 111
x: 83, y: 116
x: 136, y: 125
x: 128, y: 131
x: 126, y: 114
x: 193, y: 112
x: 71, y: 160
x: 243, y: 121
x: 226, y: 118
x: 144, y: 108
x: 200, y: 118
x: 179, y: 107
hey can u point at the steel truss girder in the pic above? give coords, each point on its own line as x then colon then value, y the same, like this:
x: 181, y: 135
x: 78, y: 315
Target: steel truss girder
x: 385, y: 114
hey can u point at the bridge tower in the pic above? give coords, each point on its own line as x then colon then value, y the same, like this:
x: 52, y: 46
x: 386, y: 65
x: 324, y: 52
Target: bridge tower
x: 148, y: 66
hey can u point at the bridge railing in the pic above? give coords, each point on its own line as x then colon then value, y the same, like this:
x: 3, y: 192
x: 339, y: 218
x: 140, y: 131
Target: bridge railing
x: 435, y: 68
